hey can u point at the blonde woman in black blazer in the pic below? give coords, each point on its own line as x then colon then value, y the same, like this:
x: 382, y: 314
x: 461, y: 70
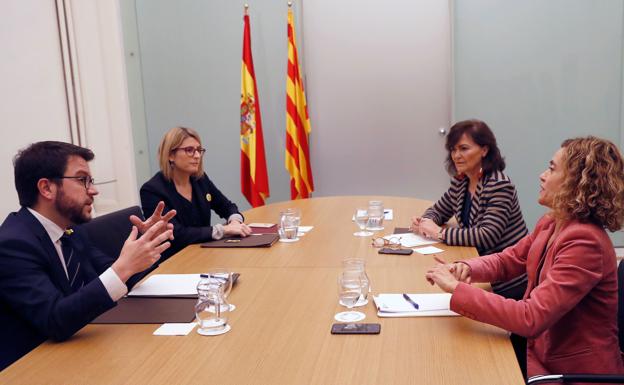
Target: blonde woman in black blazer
x: 184, y: 186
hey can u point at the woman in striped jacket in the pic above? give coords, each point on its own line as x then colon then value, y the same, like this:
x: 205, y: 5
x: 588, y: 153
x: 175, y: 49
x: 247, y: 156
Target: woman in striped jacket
x: 482, y: 199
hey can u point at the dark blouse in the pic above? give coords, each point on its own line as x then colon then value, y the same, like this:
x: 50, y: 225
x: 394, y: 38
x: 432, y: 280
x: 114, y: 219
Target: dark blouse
x: 465, y: 213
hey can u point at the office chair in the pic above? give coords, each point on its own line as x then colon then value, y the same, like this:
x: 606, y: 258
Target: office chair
x: 109, y: 232
x: 593, y: 378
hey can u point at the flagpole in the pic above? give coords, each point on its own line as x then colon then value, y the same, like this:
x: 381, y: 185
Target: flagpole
x: 246, y: 8
x: 290, y: 3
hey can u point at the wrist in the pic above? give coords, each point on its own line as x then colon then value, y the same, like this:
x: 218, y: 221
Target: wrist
x: 440, y: 235
x: 123, y: 273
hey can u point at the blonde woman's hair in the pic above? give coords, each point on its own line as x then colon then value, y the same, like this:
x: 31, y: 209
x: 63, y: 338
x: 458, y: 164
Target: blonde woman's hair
x: 593, y: 185
x: 172, y: 140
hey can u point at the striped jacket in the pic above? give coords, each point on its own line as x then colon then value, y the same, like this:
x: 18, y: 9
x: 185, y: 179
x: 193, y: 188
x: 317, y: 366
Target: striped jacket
x: 495, y: 220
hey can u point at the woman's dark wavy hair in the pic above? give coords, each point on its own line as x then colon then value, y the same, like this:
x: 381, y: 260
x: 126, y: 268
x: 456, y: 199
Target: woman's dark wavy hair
x: 593, y: 185
x: 481, y: 135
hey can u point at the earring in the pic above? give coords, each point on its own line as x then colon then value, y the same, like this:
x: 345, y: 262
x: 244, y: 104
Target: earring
x: 480, y: 172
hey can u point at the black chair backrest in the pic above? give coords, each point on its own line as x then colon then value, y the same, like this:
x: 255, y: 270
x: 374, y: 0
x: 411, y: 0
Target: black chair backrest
x: 621, y: 303
x: 109, y: 232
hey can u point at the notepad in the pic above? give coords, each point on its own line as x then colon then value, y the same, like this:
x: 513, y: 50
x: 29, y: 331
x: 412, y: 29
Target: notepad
x: 175, y: 329
x: 429, y: 305
x: 167, y: 285
x: 412, y: 240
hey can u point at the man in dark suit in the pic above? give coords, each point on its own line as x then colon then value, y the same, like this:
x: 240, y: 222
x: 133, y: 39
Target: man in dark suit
x: 53, y: 281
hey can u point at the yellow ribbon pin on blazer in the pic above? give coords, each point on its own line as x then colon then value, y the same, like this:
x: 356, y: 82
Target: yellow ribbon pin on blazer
x: 208, y: 197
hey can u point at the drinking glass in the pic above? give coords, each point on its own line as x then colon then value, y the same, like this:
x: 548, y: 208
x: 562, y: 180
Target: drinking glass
x: 361, y: 219
x: 221, y: 278
x: 212, y: 309
x: 289, y: 225
x: 358, y: 265
x: 375, y: 215
x: 349, y: 291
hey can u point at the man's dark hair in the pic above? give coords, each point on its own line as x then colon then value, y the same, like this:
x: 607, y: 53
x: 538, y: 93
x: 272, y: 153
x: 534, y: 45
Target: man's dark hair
x: 42, y: 160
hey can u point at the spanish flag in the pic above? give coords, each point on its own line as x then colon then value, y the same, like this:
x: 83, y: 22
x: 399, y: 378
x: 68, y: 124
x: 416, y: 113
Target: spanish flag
x: 297, y: 124
x: 254, y: 177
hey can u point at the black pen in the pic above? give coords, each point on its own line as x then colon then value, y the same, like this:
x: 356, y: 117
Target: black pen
x: 408, y: 299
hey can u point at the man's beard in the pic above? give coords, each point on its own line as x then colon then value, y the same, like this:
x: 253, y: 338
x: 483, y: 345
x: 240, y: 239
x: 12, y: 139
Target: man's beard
x: 71, y: 210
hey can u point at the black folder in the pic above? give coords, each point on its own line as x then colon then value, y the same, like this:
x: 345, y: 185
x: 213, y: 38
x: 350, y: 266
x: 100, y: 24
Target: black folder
x: 149, y: 310
x: 260, y: 240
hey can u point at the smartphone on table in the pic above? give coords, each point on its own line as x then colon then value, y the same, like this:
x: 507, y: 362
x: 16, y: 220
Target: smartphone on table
x: 356, y: 328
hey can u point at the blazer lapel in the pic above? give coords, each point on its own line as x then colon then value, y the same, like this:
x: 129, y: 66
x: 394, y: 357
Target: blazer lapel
x: 203, y: 198
x: 537, y: 252
x: 53, y: 260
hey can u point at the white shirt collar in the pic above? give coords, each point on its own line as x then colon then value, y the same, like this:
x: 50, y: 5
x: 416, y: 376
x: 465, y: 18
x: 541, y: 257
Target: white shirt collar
x: 54, y: 231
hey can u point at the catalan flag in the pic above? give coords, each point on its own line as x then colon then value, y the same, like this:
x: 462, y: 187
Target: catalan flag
x: 254, y: 177
x: 297, y: 124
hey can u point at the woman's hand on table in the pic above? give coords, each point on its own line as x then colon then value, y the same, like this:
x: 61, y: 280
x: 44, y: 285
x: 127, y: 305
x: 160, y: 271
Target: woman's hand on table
x: 237, y: 228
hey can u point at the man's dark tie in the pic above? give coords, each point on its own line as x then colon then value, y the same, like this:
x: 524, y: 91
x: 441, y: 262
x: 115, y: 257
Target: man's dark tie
x: 72, y: 262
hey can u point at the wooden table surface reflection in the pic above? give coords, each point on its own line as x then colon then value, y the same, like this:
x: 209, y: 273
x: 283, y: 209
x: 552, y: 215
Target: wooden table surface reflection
x: 286, y: 298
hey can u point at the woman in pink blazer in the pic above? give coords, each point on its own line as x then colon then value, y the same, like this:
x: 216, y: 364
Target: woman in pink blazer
x: 569, y: 310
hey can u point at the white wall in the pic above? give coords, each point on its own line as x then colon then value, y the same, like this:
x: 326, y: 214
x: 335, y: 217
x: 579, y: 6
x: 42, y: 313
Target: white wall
x: 34, y: 101
x: 377, y: 81
x: 539, y: 72
x: 33, y: 104
x: 379, y: 89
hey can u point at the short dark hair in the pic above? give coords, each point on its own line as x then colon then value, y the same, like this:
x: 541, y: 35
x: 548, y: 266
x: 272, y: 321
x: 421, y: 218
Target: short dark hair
x: 42, y: 160
x: 481, y: 134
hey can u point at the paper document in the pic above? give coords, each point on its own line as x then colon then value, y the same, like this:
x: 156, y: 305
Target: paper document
x: 412, y: 240
x: 303, y: 230
x: 263, y: 225
x: 175, y: 329
x: 166, y: 285
x: 395, y: 305
x: 388, y: 215
x: 429, y: 250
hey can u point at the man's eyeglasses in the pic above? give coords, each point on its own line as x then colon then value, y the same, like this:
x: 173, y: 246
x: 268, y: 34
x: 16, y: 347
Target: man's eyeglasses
x: 190, y: 150
x: 86, y: 180
x: 393, y: 242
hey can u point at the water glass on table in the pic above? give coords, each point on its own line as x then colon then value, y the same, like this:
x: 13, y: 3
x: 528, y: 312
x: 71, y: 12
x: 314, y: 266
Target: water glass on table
x: 361, y: 219
x: 221, y: 278
x: 289, y: 225
x: 375, y: 215
x: 358, y: 265
x: 212, y: 309
x: 349, y: 292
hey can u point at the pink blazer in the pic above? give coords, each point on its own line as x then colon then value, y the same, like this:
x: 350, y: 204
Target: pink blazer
x: 568, y: 313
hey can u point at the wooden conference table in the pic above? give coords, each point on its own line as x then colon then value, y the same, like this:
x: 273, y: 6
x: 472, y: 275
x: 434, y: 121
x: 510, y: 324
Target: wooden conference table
x: 286, y: 299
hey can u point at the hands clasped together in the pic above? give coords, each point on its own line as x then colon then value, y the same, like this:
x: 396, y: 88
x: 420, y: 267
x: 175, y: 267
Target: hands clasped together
x: 237, y: 228
x: 425, y: 227
x: 448, y: 275
x: 139, y: 253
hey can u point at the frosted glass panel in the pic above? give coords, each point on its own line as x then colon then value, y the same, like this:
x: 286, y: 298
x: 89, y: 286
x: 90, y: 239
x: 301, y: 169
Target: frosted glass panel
x: 538, y: 72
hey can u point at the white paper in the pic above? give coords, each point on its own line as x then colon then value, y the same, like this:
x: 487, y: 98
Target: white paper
x: 263, y: 225
x: 412, y: 240
x: 429, y: 250
x: 175, y: 329
x: 167, y: 285
x: 303, y: 230
x: 394, y: 305
x: 388, y: 214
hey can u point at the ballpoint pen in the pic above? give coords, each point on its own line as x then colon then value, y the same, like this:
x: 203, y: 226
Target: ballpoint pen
x: 411, y: 301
